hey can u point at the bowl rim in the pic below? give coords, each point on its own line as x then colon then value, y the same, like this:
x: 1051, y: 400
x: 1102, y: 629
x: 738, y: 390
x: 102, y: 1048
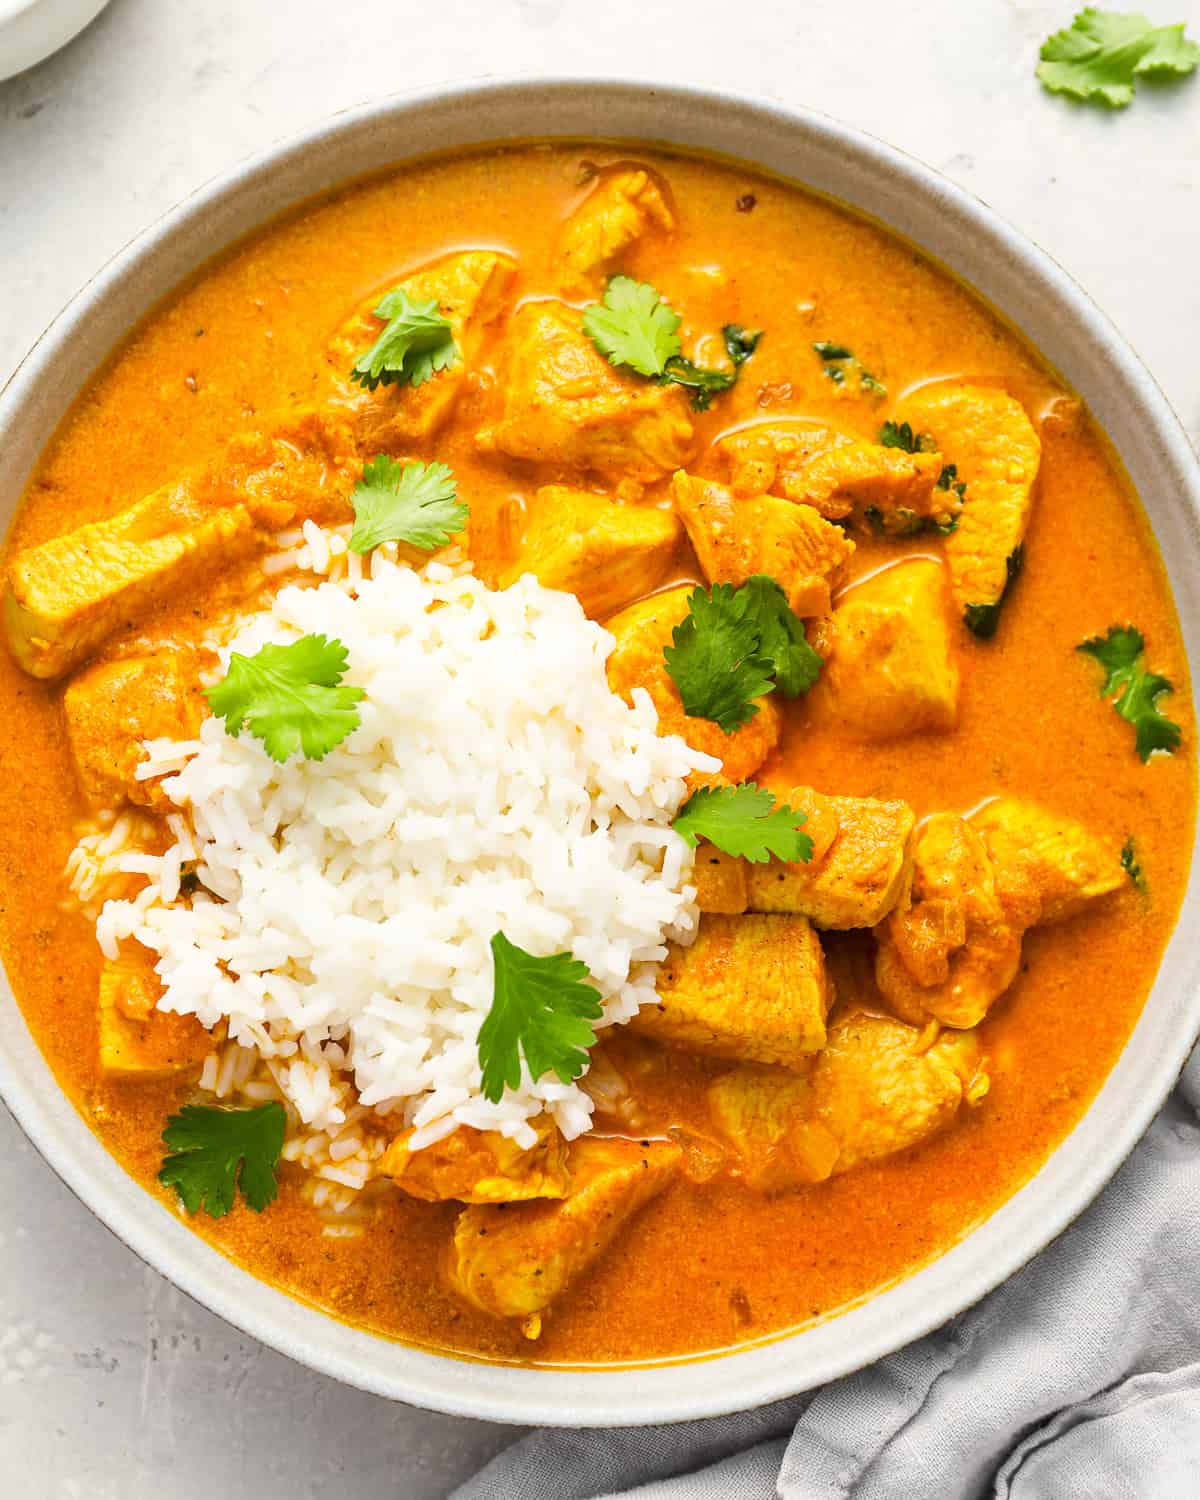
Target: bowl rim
x: 901, y: 193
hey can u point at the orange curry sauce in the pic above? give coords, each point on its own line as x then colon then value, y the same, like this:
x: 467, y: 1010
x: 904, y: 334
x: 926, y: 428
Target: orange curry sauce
x: 713, y: 1264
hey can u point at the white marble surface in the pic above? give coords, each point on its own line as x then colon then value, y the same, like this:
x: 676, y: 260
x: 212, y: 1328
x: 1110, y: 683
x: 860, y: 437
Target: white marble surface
x: 112, y: 1385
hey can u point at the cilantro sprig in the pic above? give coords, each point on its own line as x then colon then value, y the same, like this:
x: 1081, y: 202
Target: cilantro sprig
x: 714, y: 659
x: 542, y: 1009
x: 415, y: 503
x: 744, y: 821
x: 838, y: 361
x: 1132, y: 866
x: 415, y: 344
x: 740, y: 343
x: 214, y: 1152
x: 900, y: 435
x: 983, y: 620
x: 289, y: 697
x: 781, y: 639
x: 632, y: 326
x: 736, y: 645
x: 1102, y: 54
x: 636, y: 330
x: 703, y: 383
x: 1133, y: 690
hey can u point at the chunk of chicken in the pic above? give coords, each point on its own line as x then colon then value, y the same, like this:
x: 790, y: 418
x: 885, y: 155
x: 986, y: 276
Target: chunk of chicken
x: 880, y: 1087
x: 859, y: 866
x: 136, y: 1039
x: 834, y: 473
x: 986, y: 434
x: 720, y: 880
x: 624, y: 205
x: 64, y: 597
x: 605, y: 554
x: 513, y: 1261
x: 110, y: 708
x: 1047, y: 867
x: 641, y: 632
x: 470, y: 289
x: 949, y: 949
x: 303, y: 469
x: 754, y: 988
x: 567, y: 407
x: 890, y: 668
x: 769, y: 1117
x: 735, y: 539
x: 952, y: 946
x: 480, y: 1166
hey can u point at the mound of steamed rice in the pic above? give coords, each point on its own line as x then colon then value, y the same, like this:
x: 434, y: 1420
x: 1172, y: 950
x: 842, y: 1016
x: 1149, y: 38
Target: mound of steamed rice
x: 346, y: 905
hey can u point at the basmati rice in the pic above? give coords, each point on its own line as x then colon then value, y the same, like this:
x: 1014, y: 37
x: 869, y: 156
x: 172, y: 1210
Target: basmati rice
x: 343, y: 926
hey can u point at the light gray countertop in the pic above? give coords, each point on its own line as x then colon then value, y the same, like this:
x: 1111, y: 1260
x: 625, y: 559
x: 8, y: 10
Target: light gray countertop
x: 113, y: 1386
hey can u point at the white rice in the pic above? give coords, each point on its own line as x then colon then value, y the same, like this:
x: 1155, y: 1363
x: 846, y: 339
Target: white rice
x: 495, y: 784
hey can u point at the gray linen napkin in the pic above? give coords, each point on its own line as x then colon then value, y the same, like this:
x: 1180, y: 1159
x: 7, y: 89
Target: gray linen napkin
x: 1078, y: 1379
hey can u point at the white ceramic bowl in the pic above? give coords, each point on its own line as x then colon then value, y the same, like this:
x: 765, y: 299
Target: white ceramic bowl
x: 31, y: 30
x: 1050, y: 310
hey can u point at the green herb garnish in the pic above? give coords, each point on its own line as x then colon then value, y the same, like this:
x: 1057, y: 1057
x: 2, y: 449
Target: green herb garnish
x: 781, y: 637
x: 839, y: 361
x: 744, y: 821
x: 740, y: 343
x: 289, y: 697
x: 900, y: 435
x: 632, y: 326
x: 982, y: 619
x: 948, y: 480
x: 714, y: 659
x: 416, y: 343
x: 703, y: 383
x: 1134, y: 690
x: 1102, y: 54
x: 216, y: 1151
x: 542, y: 1009
x: 903, y: 522
x: 1132, y: 866
x: 636, y: 330
x: 736, y: 645
x: 415, y: 503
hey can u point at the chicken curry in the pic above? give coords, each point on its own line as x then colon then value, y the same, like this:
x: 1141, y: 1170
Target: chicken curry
x: 852, y: 540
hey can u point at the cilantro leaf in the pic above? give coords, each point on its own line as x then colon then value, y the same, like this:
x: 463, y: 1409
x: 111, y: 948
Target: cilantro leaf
x: 416, y: 343
x: 1102, y: 53
x: 216, y: 1151
x: 740, y: 343
x: 1138, y: 704
x: 839, y: 361
x: 715, y: 660
x: 415, y: 503
x: 949, y: 481
x: 1132, y: 866
x: 1136, y: 689
x: 289, y: 697
x: 703, y: 383
x: 982, y: 620
x: 542, y: 1008
x: 900, y: 435
x: 781, y: 636
x: 633, y: 326
x: 745, y: 821
x: 1118, y: 652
